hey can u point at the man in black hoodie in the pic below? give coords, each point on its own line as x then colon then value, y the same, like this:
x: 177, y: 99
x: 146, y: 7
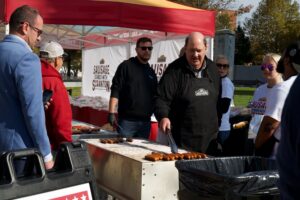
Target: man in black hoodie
x: 187, y: 98
x: 133, y: 89
x: 288, y: 157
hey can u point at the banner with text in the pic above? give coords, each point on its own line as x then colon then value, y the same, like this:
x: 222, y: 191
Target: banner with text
x: 98, y: 68
x: 99, y: 65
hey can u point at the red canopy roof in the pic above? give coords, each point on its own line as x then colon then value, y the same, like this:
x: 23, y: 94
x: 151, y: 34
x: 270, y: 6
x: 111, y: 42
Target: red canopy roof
x: 159, y: 15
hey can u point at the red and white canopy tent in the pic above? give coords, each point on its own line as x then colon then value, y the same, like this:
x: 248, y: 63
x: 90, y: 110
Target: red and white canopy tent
x: 82, y: 24
x: 108, y: 24
x: 64, y: 20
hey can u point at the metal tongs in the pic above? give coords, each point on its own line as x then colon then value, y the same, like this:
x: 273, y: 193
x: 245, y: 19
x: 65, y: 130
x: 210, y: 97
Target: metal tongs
x: 172, y: 143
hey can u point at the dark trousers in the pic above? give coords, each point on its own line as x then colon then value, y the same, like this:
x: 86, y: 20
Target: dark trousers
x: 127, y: 128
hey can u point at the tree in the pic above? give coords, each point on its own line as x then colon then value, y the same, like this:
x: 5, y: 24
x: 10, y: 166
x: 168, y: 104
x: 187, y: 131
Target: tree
x: 206, y: 4
x: 242, y: 53
x: 273, y: 25
x: 76, y: 62
x: 225, y: 19
x: 73, y: 62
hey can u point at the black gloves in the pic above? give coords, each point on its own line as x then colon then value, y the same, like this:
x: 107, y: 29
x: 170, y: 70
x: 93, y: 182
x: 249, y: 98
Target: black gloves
x: 111, y: 118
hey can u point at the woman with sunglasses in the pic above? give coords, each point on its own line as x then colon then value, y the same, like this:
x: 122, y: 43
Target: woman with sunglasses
x: 269, y: 133
x: 258, y: 103
x: 226, y: 99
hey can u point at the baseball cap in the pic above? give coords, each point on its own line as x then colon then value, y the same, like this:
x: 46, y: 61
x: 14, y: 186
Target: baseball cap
x: 293, y: 52
x: 51, y: 49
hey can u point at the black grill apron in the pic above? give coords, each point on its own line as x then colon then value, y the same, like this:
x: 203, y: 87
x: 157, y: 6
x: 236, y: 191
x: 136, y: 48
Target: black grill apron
x: 194, y: 120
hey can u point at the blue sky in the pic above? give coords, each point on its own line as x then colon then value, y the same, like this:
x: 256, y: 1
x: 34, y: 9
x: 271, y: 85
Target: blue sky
x: 245, y: 3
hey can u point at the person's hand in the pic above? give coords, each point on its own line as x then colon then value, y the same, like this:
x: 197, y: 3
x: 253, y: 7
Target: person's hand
x: 49, y: 164
x: 165, y: 125
x: 47, y: 104
x: 111, y: 118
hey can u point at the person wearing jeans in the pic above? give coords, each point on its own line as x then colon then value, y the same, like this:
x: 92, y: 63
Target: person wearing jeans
x: 133, y: 88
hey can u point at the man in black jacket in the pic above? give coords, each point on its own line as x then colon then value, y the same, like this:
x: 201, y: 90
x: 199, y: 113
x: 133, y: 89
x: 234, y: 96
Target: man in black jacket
x: 187, y: 97
x: 133, y: 88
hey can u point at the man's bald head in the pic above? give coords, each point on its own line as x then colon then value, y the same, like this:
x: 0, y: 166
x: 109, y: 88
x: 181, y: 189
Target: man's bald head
x: 194, y: 34
x: 195, y: 49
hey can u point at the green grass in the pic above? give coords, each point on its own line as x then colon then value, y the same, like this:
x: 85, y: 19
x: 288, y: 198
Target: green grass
x: 76, y: 91
x: 242, y: 95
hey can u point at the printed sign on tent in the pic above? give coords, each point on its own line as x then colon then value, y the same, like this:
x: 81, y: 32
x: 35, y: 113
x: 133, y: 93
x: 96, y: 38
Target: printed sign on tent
x: 165, y: 52
x: 99, y: 65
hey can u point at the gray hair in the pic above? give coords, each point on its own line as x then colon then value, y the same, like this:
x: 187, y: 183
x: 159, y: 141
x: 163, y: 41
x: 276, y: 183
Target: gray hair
x: 221, y: 57
x: 22, y: 14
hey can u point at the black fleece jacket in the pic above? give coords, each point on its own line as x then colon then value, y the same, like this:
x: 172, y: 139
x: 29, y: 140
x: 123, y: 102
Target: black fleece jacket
x: 190, y: 103
x: 134, y: 85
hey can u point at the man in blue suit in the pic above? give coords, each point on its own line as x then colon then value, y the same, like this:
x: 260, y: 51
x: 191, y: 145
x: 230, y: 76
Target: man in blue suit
x: 22, y: 118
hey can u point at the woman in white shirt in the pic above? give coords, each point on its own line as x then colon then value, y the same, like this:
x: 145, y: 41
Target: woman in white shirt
x: 226, y: 98
x: 258, y: 103
x: 269, y: 133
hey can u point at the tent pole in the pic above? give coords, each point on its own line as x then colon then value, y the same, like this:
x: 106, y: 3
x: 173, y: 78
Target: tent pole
x: 129, y: 45
x: 129, y: 50
x: 6, y: 29
x: 212, y: 48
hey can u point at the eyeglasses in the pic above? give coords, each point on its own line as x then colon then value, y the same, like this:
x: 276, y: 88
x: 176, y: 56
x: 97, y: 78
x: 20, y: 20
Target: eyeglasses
x: 269, y: 67
x: 145, y: 48
x: 222, y: 65
x: 37, y: 30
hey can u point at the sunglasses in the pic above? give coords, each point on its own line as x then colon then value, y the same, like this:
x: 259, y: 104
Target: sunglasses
x: 269, y: 67
x: 222, y: 65
x: 145, y: 48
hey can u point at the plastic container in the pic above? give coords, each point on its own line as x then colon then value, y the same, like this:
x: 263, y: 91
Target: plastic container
x: 72, y: 176
x: 228, y: 178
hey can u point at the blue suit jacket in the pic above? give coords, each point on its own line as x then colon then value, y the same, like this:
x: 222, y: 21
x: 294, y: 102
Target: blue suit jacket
x: 22, y: 118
